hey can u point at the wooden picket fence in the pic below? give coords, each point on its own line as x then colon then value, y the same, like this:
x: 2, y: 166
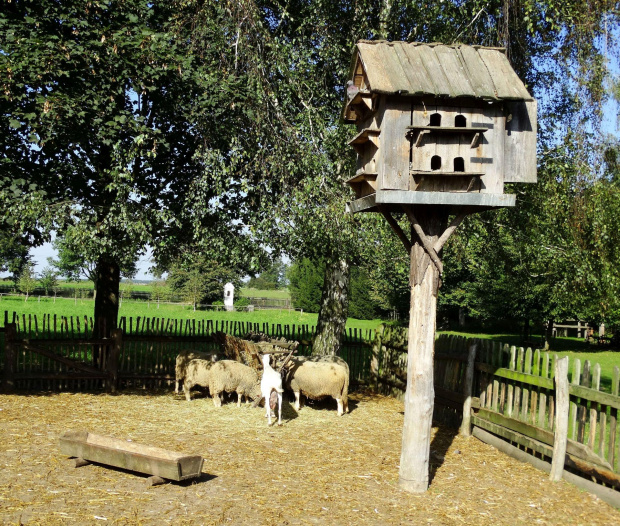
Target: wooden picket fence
x: 513, y: 403
x: 59, y: 353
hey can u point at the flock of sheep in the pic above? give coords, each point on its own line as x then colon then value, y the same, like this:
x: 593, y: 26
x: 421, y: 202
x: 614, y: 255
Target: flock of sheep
x: 314, y: 377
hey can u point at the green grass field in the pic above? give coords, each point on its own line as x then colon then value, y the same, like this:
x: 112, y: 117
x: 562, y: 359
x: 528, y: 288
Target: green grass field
x: 132, y: 308
x: 574, y: 348
x: 244, y: 292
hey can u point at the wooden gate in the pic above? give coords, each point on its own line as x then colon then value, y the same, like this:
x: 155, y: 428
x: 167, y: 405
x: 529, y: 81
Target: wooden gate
x: 73, y: 362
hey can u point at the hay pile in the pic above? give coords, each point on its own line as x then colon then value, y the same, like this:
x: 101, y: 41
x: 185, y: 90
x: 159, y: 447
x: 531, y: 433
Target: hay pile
x: 315, y: 469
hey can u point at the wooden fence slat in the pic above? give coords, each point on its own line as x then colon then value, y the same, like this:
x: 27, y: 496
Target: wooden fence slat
x: 575, y: 380
x: 542, y: 397
x: 613, y: 420
x: 535, y: 393
x: 582, y: 409
x: 561, y: 426
x: 516, y: 412
x: 596, y: 384
x: 527, y: 369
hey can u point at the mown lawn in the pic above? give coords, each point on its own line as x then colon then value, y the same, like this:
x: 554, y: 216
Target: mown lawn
x: 574, y: 348
x: 134, y: 308
x: 244, y: 292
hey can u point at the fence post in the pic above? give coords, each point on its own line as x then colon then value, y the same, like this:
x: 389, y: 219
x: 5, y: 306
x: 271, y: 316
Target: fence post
x: 10, y: 357
x: 467, y: 390
x: 376, y: 353
x: 562, y: 399
x: 113, y: 359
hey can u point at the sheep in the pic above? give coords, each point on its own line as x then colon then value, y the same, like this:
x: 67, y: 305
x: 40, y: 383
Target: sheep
x: 197, y: 372
x: 271, y: 389
x: 182, y: 361
x: 317, y: 377
x: 232, y: 376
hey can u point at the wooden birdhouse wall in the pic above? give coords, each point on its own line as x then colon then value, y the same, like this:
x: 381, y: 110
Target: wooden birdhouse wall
x: 438, y: 119
x: 477, y: 152
x: 393, y: 156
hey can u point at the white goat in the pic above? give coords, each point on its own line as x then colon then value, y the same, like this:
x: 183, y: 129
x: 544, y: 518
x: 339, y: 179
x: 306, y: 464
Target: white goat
x: 271, y: 383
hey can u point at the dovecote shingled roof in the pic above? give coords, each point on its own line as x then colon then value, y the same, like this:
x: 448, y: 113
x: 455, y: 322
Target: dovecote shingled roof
x: 418, y: 69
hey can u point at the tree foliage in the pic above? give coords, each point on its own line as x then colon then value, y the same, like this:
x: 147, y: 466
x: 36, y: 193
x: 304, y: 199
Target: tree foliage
x: 273, y: 277
x: 73, y: 264
x: 27, y: 280
x: 138, y: 123
x: 305, y: 284
x: 214, y: 127
x: 200, y: 280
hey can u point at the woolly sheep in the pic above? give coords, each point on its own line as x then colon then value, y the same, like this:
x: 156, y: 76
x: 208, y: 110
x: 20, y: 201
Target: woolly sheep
x: 182, y: 361
x: 232, y: 376
x: 317, y: 377
x: 197, y: 372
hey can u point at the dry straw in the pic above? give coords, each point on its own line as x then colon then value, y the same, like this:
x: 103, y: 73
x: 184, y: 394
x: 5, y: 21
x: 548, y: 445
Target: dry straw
x: 315, y: 469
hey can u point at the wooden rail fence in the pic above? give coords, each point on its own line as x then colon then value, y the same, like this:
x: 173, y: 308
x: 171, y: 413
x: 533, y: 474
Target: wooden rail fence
x: 513, y: 403
x: 59, y: 353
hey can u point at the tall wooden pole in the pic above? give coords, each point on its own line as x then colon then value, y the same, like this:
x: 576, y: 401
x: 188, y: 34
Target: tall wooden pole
x: 420, y: 394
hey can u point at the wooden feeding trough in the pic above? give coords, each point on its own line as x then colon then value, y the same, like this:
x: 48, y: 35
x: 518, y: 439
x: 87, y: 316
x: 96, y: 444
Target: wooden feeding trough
x: 440, y: 130
x: 160, y: 463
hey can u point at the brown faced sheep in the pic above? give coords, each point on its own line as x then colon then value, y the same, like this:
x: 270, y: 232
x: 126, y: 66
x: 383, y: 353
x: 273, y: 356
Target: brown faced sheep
x: 317, y: 377
x: 197, y: 372
x: 233, y: 377
x: 182, y: 361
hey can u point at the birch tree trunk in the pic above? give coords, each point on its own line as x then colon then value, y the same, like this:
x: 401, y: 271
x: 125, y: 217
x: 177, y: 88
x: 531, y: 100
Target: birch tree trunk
x: 334, y: 309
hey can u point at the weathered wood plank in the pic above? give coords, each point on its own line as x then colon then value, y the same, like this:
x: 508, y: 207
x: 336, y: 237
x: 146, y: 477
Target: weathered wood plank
x: 468, y: 390
x: 596, y: 384
x: 542, y: 397
x: 479, y: 78
x: 608, y: 477
x: 609, y: 495
x: 503, y: 76
x: 527, y: 369
x: 561, y: 419
x: 582, y: 407
x: 450, y: 63
x: 520, y: 143
x: 613, y: 419
x: 576, y: 378
x: 542, y: 435
x: 129, y: 455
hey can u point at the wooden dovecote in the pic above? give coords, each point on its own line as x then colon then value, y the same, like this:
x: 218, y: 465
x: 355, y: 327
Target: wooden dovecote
x: 437, y: 125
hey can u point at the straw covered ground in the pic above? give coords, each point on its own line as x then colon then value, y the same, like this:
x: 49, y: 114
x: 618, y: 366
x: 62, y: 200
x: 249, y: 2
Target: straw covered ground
x: 315, y: 469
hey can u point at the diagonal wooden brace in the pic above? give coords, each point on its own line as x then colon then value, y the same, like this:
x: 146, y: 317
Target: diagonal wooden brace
x: 426, y: 243
x: 396, y: 228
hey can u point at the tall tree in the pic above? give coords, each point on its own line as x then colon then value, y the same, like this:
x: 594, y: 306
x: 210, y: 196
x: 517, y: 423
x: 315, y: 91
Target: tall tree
x: 74, y: 265
x: 136, y: 123
x: 201, y: 280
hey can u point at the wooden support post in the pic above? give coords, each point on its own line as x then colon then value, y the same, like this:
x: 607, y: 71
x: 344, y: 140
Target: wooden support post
x: 80, y: 462
x: 10, y: 357
x: 155, y: 481
x: 113, y: 359
x: 561, y: 419
x: 467, y: 390
x: 377, y: 354
x: 420, y: 393
x: 396, y: 228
